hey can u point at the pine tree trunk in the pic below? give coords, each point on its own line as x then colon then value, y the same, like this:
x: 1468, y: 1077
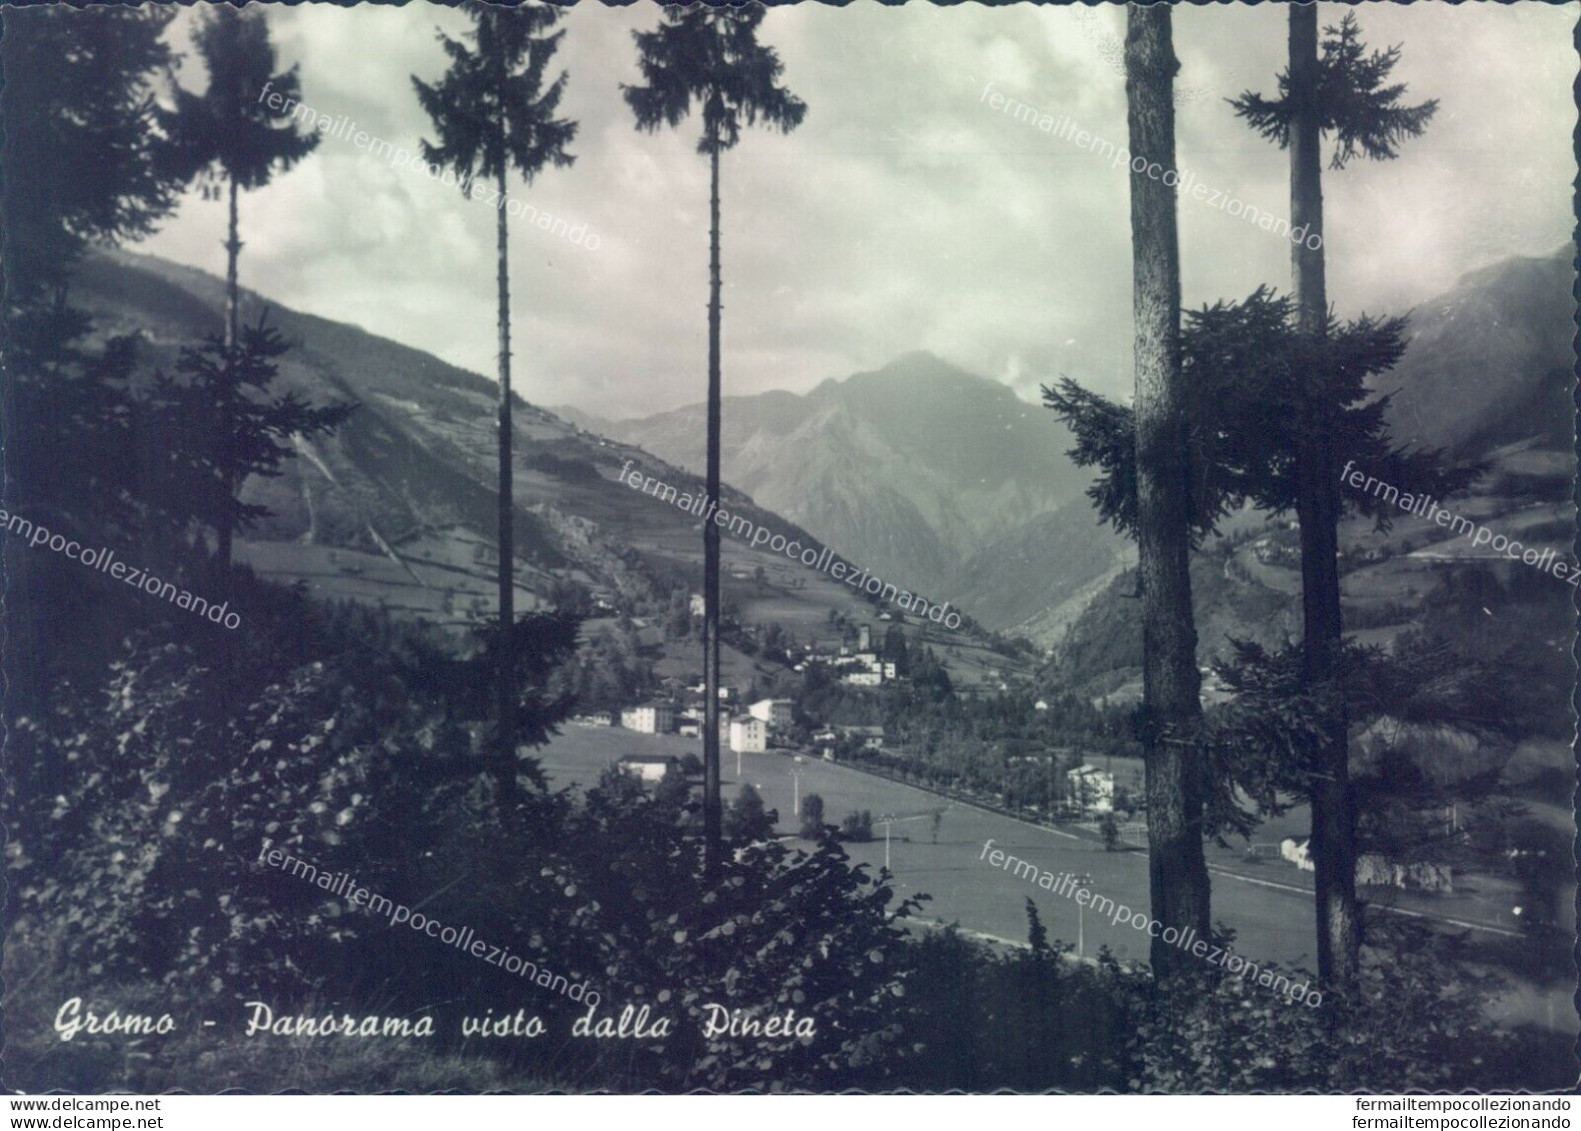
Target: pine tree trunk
x: 24, y: 663
x: 712, y: 803
x: 1177, y: 867
x: 505, y: 709
x: 1333, y: 846
x: 233, y: 248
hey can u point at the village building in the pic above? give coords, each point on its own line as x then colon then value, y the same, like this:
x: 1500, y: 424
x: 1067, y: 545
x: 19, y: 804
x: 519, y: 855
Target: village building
x: 650, y: 767
x: 649, y: 718
x: 748, y: 735
x: 1092, y: 788
x: 777, y: 713
x: 870, y: 737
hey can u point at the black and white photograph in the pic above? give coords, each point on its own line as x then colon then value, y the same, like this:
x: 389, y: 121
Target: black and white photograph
x: 978, y: 548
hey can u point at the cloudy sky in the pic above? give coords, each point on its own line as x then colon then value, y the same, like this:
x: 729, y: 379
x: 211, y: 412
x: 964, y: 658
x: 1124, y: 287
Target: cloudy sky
x: 904, y: 214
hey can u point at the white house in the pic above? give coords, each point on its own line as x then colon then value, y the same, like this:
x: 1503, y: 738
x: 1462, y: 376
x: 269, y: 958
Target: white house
x: 862, y: 679
x: 1093, y: 788
x: 649, y: 718
x: 775, y: 712
x: 748, y: 735
x: 649, y: 767
x: 872, y: 737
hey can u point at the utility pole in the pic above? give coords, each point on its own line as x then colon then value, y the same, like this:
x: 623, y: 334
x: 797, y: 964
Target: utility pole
x: 1081, y: 916
x: 889, y: 819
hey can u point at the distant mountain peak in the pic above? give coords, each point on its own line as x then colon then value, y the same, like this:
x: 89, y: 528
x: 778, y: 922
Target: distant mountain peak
x: 910, y: 468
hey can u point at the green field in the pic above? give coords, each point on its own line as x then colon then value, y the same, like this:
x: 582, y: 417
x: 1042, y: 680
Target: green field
x: 1269, y: 904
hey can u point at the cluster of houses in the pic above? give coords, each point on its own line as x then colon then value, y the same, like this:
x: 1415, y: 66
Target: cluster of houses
x: 867, y: 737
x: 1092, y: 789
x: 1376, y: 870
x: 743, y: 732
x: 859, y: 667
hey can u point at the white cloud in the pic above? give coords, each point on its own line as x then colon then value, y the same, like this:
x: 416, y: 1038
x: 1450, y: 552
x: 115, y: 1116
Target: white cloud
x: 905, y: 213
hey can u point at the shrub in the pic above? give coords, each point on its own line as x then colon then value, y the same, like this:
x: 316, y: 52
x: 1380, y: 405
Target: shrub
x: 1414, y: 1022
x: 812, y: 816
x: 746, y: 820
x: 780, y: 930
x: 857, y: 826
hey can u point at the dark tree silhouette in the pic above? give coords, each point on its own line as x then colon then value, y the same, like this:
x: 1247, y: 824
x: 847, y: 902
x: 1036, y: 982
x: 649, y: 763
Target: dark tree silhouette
x: 711, y: 55
x: 674, y: 794
x: 83, y: 149
x: 1170, y: 682
x: 747, y: 820
x: 811, y: 816
x: 858, y: 826
x: 1248, y: 372
x: 543, y: 644
x: 231, y: 134
x: 229, y: 427
x: 493, y: 113
x: 1251, y: 373
x: 82, y: 164
x: 1343, y: 92
x: 895, y: 649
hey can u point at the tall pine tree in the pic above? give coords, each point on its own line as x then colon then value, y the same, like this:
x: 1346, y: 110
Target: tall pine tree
x: 711, y: 55
x: 494, y: 113
x: 230, y: 135
x: 1252, y: 377
x: 1343, y: 92
x: 229, y: 426
x: 1178, y: 871
x: 82, y: 164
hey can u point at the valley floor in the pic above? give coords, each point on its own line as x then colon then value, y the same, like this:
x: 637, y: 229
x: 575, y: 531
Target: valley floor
x: 1268, y: 905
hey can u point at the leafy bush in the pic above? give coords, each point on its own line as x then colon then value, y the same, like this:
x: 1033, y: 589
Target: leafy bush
x: 1413, y: 1022
x: 980, y: 1019
x: 812, y: 816
x: 780, y: 930
x: 745, y: 819
x: 191, y: 760
x: 857, y: 826
x: 149, y: 853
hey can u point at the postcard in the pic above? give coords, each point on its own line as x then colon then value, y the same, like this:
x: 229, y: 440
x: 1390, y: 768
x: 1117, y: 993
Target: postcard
x: 798, y: 548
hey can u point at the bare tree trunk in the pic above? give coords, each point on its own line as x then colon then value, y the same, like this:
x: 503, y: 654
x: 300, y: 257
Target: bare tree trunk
x: 1333, y: 845
x: 712, y: 804
x: 233, y: 248
x: 505, y: 687
x: 1177, y: 868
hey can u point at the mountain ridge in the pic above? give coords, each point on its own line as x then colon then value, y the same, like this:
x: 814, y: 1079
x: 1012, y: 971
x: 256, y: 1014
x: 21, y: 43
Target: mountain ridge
x: 398, y: 507
x: 913, y: 467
